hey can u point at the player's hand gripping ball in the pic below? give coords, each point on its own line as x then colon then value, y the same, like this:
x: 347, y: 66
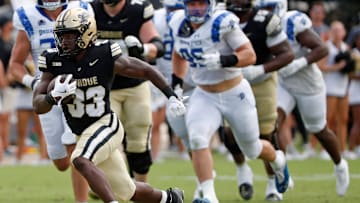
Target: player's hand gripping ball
x: 62, y: 89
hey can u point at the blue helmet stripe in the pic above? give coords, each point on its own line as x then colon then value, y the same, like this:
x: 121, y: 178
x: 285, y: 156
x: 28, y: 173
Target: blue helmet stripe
x: 215, y: 30
x: 25, y: 21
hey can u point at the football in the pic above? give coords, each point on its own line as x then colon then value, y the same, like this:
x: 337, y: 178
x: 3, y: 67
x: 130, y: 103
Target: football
x: 67, y: 100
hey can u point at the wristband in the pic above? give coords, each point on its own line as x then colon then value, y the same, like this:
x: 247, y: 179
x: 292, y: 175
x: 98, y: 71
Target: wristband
x: 168, y: 92
x: 27, y: 80
x: 146, y: 50
x: 228, y: 60
x: 175, y: 80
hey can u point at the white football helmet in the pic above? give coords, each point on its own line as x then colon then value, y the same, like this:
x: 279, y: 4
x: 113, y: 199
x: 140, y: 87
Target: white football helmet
x: 79, y: 21
x: 279, y: 7
x: 173, y: 4
x: 51, y: 4
x: 199, y: 16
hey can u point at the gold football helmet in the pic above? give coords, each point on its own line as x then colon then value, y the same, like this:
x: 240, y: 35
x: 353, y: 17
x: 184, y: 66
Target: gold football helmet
x: 78, y: 21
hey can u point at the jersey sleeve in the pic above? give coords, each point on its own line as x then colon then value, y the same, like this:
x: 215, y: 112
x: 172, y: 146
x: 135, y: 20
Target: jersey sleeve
x: 231, y: 31
x: 115, y: 50
x: 17, y: 20
x: 300, y: 21
x: 148, y: 10
x: 43, y: 60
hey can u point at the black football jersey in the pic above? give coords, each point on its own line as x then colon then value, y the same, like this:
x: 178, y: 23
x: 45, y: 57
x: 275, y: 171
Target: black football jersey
x: 128, y: 22
x: 256, y: 31
x: 93, y: 75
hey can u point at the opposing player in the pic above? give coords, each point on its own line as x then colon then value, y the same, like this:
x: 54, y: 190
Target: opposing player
x: 301, y: 83
x: 213, y: 45
x: 99, y: 131
x: 272, y: 52
x: 158, y: 101
x: 35, y: 25
x: 126, y: 21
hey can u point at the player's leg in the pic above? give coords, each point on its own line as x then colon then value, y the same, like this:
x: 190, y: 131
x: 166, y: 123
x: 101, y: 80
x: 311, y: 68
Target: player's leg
x: 23, y: 116
x: 40, y: 137
x: 313, y: 111
x: 158, y: 101
x: 24, y: 112
x: 203, y: 118
x: 89, y: 153
x: 243, y: 120
x: 57, y: 138
x: 136, y: 118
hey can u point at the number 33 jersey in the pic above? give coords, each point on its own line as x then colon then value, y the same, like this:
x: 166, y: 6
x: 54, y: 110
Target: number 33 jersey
x: 39, y: 27
x: 94, y: 76
x: 221, y: 33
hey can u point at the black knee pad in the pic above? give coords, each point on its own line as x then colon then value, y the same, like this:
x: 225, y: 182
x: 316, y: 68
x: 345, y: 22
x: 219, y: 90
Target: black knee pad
x: 272, y: 138
x: 230, y: 142
x: 139, y: 162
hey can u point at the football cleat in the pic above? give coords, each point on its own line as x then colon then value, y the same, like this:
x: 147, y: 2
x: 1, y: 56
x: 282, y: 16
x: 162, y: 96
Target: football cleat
x: 175, y: 195
x: 245, y: 181
x: 342, y: 177
x: 201, y: 200
x: 271, y: 194
x: 246, y: 191
x: 282, y: 175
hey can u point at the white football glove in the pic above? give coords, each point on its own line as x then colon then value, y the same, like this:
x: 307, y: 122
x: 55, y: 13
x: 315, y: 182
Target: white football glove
x: 63, y: 89
x: 211, y: 61
x: 175, y: 107
x: 135, y: 47
x: 293, y: 67
x: 252, y: 72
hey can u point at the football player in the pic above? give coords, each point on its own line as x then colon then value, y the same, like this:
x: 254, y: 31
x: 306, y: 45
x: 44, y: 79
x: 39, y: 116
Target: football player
x: 215, y: 48
x: 125, y: 21
x: 272, y: 52
x: 160, y: 19
x: 301, y: 83
x: 35, y: 25
x: 90, y: 68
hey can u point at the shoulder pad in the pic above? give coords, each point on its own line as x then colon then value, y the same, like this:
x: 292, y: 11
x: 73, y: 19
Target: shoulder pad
x: 226, y: 22
x: 297, y: 22
x: 273, y: 27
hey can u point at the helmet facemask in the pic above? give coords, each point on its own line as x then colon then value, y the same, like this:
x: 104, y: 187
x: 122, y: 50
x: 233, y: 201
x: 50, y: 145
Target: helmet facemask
x: 199, y: 16
x: 51, y: 5
x: 239, y: 8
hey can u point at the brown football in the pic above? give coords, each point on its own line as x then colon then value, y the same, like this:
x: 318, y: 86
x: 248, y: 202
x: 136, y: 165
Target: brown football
x: 67, y: 100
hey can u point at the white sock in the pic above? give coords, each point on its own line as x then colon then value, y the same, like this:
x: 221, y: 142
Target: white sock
x: 340, y: 164
x: 279, y: 160
x: 163, y: 196
x: 208, y: 188
x: 114, y: 202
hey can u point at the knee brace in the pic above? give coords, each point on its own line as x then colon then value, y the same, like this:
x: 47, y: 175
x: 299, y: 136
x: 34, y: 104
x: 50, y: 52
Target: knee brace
x: 139, y: 162
x: 272, y: 138
x: 230, y: 142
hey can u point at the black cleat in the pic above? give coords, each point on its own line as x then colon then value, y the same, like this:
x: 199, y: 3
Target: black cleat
x: 246, y: 191
x: 272, y: 197
x: 175, y: 195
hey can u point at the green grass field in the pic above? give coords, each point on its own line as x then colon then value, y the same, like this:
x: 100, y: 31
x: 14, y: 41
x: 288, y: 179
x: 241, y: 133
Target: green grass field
x: 314, y: 182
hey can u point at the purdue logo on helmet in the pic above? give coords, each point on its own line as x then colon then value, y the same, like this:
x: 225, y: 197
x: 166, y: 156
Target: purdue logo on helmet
x: 78, y: 21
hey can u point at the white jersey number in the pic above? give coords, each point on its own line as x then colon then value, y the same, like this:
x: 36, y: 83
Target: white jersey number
x: 94, y: 109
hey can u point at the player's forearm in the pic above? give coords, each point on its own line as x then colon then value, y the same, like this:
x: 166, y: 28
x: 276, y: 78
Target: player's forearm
x: 41, y: 104
x: 17, y: 70
x: 246, y: 56
x: 317, y: 54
